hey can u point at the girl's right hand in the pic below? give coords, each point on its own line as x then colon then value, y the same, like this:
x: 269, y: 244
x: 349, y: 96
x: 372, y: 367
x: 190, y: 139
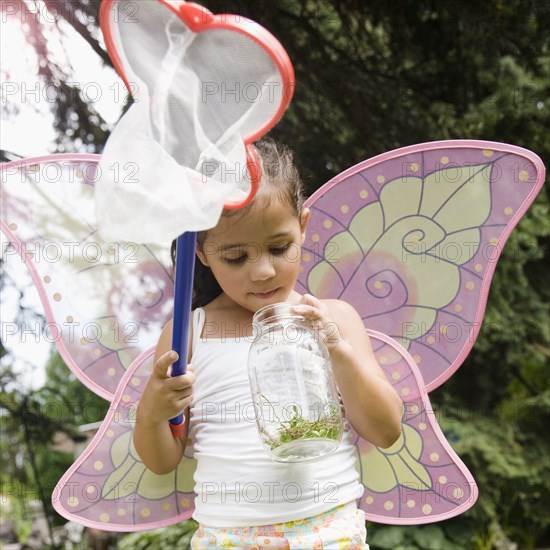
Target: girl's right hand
x: 164, y: 396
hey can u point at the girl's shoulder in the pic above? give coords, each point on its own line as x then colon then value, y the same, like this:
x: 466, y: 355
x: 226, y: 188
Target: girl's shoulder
x: 164, y: 343
x: 344, y: 314
x: 339, y: 307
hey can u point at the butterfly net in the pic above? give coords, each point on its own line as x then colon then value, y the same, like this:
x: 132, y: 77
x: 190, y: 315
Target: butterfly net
x: 178, y: 154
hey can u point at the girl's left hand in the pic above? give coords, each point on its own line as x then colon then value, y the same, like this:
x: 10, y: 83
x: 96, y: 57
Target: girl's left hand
x: 321, y: 318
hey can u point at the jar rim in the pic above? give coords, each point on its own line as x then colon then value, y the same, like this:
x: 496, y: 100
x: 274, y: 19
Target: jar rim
x: 276, y: 311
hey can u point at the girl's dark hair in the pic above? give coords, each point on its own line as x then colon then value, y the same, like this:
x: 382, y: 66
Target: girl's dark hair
x: 281, y: 177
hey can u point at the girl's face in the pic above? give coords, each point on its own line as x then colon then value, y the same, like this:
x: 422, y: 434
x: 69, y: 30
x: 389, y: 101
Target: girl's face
x: 256, y: 257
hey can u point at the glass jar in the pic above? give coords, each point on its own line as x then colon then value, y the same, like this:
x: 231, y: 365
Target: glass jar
x: 295, y: 398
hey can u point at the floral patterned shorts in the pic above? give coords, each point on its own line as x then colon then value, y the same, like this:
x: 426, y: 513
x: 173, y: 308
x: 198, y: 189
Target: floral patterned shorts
x: 342, y: 528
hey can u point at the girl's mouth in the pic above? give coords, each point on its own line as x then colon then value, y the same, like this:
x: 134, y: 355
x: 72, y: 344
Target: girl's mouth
x: 264, y: 295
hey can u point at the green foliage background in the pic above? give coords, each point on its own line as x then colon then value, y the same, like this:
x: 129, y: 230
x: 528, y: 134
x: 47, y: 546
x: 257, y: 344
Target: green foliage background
x: 373, y: 76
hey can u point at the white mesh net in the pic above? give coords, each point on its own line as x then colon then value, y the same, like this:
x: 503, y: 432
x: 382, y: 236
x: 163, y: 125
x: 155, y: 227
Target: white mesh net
x: 178, y: 154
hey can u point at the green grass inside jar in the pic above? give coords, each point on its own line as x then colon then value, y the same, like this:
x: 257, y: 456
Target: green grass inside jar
x: 327, y: 426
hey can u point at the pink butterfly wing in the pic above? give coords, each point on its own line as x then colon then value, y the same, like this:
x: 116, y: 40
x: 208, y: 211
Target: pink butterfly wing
x: 108, y: 487
x: 105, y: 303
x: 411, y: 238
x: 420, y: 479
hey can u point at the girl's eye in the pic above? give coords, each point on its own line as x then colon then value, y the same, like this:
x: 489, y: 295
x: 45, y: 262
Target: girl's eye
x: 277, y: 251
x: 238, y: 260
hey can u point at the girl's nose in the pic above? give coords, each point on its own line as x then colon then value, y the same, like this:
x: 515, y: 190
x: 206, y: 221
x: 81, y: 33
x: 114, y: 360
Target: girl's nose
x: 262, y: 269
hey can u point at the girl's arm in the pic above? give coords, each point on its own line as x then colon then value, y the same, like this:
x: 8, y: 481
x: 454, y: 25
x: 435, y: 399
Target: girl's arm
x: 163, y: 398
x: 372, y: 405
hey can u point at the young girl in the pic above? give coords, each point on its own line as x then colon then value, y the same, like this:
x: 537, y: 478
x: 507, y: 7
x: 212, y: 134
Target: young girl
x: 244, y: 499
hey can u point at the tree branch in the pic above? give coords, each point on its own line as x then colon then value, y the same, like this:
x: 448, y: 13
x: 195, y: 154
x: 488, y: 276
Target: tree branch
x: 62, y: 8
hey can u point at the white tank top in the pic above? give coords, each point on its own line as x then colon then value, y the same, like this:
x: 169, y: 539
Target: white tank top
x: 236, y: 482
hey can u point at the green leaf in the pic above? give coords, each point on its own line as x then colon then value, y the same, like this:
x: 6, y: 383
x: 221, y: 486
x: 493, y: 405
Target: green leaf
x: 432, y: 537
x: 387, y: 538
